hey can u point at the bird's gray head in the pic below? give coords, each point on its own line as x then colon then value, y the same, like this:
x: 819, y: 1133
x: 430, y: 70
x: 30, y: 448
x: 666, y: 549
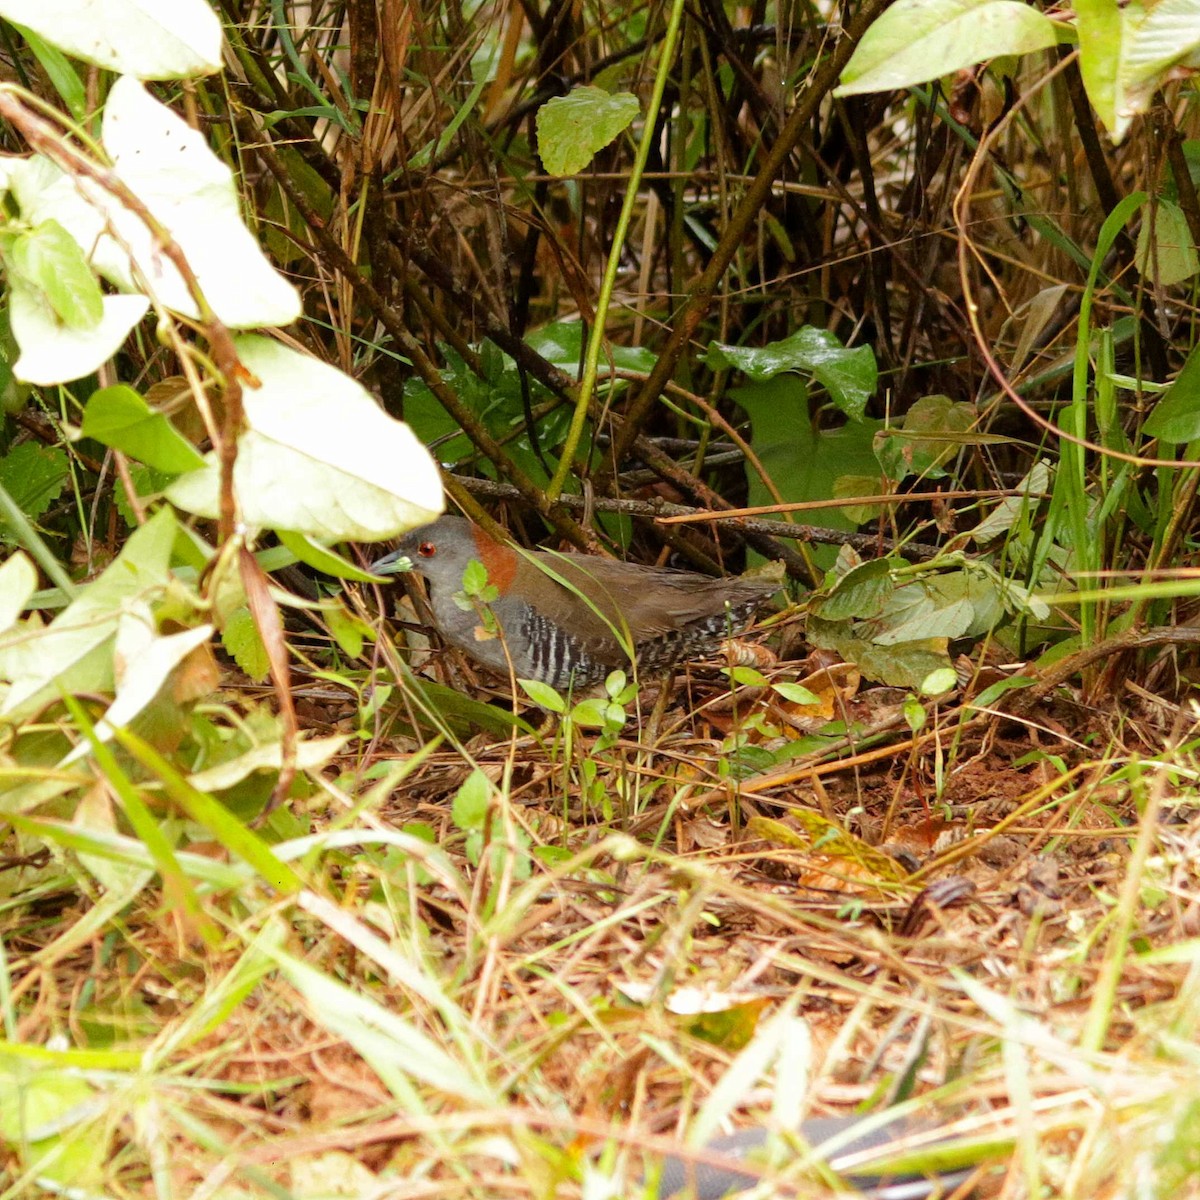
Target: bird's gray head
x: 440, y: 551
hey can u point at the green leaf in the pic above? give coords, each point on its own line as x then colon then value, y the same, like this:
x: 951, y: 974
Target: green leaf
x: 938, y: 682
x: 932, y: 432
x: 59, y: 71
x: 561, y: 343
x: 1101, y: 30
x: 469, y: 809
x: 1166, y: 254
x: 322, y: 559
x: 52, y: 261
x: 318, y: 456
x: 1158, y: 38
x: 847, y: 486
x: 543, y: 695
x: 795, y: 693
x: 34, y: 476
x: 937, y: 607
x: 861, y: 593
x: 1176, y: 417
x: 54, y: 352
x: 18, y: 582
x: 916, y: 41
x: 594, y: 713
x: 475, y: 579
x: 151, y: 41
x: 117, y: 416
x: 849, y: 376
x: 241, y: 639
x: 745, y: 676
x: 803, y: 460
x: 74, y: 653
x: 572, y: 128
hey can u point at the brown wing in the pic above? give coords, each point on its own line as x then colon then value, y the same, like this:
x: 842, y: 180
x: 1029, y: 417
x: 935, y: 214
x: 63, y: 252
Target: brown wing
x: 650, y: 603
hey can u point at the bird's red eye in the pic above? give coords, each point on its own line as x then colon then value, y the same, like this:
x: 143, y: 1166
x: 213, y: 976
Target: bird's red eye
x: 426, y: 549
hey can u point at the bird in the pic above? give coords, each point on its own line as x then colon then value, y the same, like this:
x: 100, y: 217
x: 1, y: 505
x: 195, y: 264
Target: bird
x: 568, y: 620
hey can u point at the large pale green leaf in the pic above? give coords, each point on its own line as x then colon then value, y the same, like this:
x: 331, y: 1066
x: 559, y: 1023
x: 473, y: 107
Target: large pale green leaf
x: 170, y: 168
x: 1158, y: 37
x: 319, y: 456
x: 1128, y: 51
x: 915, y: 41
x: 149, y: 39
x: 146, y: 660
x: 75, y: 651
x: 53, y: 352
x: 861, y: 593
x: 572, y: 128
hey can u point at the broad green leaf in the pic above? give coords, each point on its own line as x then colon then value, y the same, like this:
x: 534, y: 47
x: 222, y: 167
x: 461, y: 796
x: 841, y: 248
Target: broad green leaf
x: 860, y: 594
x: 1166, y: 254
x: 939, y: 682
x: 319, y: 456
x: 118, y: 417
x: 543, y: 695
x: 950, y: 605
x: 311, y: 753
x: 795, y: 693
x: 932, y: 432
x: 242, y: 641
x: 906, y: 665
x: 1176, y: 417
x: 847, y: 486
x: 187, y: 189
x: 1158, y: 37
x: 916, y: 41
x: 849, y: 375
x: 745, y: 676
x: 145, y: 661
x: 594, y: 713
x: 34, y: 476
x: 75, y: 651
x: 470, y: 805
x: 561, y: 343
x: 52, y: 352
x: 148, y: 39
x: 572, y: 128
x: 52, y: 262
x: 802, y: 460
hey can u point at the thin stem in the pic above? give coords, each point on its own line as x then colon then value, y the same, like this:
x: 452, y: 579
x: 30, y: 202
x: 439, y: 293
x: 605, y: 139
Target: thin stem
x: 591, y: 362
